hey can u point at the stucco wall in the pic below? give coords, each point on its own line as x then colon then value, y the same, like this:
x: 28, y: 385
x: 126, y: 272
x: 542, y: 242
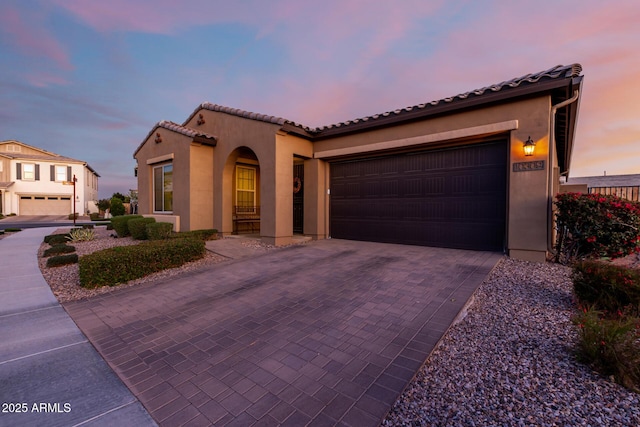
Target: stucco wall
x: 528, y: 193
x: 274, y: 152
x: 175, y: 145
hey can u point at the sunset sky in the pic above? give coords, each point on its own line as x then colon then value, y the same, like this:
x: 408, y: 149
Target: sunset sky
x: 89, y: 79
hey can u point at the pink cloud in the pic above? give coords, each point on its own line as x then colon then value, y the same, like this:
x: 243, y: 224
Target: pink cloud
x: 160, y: 16
x: 44, y: 79
x: 31, y: 37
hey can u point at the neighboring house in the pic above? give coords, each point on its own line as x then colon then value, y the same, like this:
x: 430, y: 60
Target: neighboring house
x: 448, y: 173
x: 625, y: 186
x: 37, y: 182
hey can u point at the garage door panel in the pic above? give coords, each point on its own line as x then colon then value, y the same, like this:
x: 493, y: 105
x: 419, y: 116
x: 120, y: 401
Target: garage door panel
x: 449, y: 198
x: 45, y: 205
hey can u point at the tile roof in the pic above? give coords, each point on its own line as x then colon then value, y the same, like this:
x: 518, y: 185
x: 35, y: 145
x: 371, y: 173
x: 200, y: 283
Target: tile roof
x: 249, y: 115
x: 43, y: 154
x: 47, y: 157
x: 557, y: 72
x: 175, y: 127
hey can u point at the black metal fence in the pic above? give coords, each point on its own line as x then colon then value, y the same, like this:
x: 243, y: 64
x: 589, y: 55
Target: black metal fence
x: 629, y: 192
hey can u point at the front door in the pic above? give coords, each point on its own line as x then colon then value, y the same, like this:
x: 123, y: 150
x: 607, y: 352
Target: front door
x: 298, y: 198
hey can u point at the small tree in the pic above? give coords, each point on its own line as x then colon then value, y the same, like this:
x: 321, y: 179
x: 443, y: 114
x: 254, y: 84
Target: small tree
x: 122, y: 197
x: 117, y: 208
x: 104, y: 204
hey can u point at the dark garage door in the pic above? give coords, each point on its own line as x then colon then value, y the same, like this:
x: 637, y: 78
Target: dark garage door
x: 452, y: 198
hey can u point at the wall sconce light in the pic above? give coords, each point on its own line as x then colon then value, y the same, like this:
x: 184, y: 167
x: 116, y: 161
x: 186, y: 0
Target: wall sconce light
x: 201, y: 119
x: 529, y: 147
x: 158, y: 138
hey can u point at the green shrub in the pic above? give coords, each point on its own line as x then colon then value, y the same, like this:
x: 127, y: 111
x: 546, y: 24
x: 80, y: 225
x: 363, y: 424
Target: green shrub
x: 159, y: 230
x: 73, y: 216
x: 610, y: 346
x: 119, y: 224
x: 117, y: 207
x: 55, y: 239
x: 209, y: 234
x: 595, y: 226
x: 81, y: 235
x: 607, y: 287
x: 94, y: 216
x: 58, y: 249
x: 60, y: 260
x: 13, y: 230
x: 138, y: 227
x: 121, y: 264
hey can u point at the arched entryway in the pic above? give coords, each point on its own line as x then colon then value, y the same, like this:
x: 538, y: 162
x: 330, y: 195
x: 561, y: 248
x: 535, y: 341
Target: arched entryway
x: 241, y: 187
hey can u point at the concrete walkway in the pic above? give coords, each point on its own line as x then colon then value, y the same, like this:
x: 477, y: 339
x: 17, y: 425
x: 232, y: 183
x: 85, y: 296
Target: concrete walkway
x: 49, y: 373
x: 327, y: 333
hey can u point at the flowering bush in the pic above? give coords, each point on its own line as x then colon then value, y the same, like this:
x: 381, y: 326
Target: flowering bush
x: 596, y: 226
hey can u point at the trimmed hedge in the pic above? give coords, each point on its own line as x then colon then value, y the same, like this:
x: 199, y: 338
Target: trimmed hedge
x: 121, y: 264
x: 209, y: 234
x: 119, y: 224
x: 60, y: 260
x: 59, y: 249
x: 159, y: 230
x: 138, y: 227
x: 56, y: 239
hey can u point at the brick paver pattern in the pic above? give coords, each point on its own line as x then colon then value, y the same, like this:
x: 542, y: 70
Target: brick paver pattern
x: 327, y: 333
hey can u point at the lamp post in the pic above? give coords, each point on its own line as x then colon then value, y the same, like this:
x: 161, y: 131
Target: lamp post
x: 74, y: 199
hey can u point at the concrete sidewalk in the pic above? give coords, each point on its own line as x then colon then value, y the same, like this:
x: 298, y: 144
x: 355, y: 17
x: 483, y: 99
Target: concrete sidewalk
x: 49, y: 373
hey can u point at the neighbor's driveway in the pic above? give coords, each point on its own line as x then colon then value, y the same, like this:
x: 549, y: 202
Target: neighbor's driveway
x: 325, y: 333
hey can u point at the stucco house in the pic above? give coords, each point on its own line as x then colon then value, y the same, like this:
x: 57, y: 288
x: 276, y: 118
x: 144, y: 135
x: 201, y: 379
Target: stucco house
x: 34, y: 181
x: 473, y: 171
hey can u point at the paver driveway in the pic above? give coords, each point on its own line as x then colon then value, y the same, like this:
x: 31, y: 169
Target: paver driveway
x: 327, y: 333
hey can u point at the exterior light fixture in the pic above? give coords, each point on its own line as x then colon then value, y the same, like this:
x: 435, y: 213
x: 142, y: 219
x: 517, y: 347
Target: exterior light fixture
x: 529, y: 147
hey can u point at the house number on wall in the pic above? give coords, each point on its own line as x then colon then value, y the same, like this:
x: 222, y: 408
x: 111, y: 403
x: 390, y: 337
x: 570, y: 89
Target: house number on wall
x: 537, y: 165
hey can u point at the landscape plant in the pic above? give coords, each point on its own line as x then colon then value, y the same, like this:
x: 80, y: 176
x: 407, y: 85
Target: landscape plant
x: 60, y: 260
x: 610, y: 345
x: 596, y: 226
x: 607, y: 287
x: 59, y: 249
x: 113, y: 266
x: 120, y: 226
x: 159, y: 230
x: 117, y: 207
x: 206, y: 234
x: 138, y: 227
x: 609, y: 324
x: 54, y: 239
x: 81, y: 235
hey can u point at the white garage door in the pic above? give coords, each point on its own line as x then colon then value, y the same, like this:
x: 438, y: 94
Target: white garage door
x: 45, y: 205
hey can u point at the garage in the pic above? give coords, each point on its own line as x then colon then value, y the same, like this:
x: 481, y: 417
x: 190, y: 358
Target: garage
x: 45, y: 205
x: 454, y: 197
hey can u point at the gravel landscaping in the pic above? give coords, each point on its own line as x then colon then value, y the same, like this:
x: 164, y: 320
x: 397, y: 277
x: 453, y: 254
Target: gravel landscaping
x: 65, y: 281
x: 510, y: 362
